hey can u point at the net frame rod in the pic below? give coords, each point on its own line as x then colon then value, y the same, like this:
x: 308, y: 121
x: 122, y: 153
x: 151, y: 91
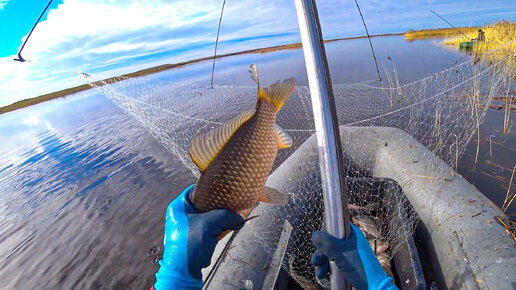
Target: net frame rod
x: 326, y: 128
x: 217, y: 43
x: 370, y: 43
x: 20, y: 58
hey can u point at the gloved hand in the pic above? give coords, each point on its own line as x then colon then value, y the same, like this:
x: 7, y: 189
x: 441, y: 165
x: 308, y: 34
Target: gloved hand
x: 189, y: 242
x: 354, y: 258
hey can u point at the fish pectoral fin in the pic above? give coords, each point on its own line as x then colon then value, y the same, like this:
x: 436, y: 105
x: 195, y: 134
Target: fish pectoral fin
x: 273, y: 196
x: 207, y: 146
x: 282, y: 138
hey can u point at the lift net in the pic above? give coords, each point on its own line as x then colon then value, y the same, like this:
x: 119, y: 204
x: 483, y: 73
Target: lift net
x: 442, y: 111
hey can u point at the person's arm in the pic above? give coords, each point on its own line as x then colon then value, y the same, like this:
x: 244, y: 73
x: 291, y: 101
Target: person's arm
x: 189, y: 241
x: 354, y: 258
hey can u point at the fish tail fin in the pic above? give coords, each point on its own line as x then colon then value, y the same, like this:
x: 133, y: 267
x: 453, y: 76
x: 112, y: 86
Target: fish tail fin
x: 276, y: 93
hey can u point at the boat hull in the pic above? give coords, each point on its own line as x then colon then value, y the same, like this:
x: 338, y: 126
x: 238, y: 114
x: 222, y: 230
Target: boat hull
x: 466, y: 45
x: 469, y: 250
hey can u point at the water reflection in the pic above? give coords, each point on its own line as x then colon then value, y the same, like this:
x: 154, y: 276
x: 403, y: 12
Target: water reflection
x: 349, y: 61
x: 496, y: 160
x: 81, y: 204
x: 84, y: 188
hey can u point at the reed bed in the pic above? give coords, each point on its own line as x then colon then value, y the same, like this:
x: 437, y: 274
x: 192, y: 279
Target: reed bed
x: 439, y: 33
x: 500, y: 41
x: 499, y: 37
x: 510, y: 196
x: 496, y: 34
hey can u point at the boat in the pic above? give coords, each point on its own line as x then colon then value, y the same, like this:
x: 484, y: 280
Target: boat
x: 466, y: 45
x: 462, y: 242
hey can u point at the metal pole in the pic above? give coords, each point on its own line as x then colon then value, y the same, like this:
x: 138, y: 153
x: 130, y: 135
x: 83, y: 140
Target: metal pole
x: 370, y: 43
x: 20, y: 58
x: 326, y: 128
x: 217, y: 43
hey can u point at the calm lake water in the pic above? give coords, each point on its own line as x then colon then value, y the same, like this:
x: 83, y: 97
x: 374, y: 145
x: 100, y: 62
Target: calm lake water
x: 84, y: 188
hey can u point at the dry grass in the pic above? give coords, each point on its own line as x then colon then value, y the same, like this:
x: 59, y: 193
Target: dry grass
x: 439, y: 33
x: 497, y: 34
x: 509, y: 197
x: 500, y: 41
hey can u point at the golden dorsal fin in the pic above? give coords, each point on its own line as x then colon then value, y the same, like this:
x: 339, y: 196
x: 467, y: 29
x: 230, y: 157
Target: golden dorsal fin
x: 282, y: 138
x: 207, y: 146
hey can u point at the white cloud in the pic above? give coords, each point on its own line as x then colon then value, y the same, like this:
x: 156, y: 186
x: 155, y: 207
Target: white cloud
x: 2, y: 3
x: 90, y: 21
x: 112, y: 37
x: 83, y: 35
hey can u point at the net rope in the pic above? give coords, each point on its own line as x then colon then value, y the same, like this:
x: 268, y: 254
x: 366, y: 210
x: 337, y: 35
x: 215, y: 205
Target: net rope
x: 442, y: 111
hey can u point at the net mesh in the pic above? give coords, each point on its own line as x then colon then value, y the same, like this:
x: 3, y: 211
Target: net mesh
x: 442, y: 111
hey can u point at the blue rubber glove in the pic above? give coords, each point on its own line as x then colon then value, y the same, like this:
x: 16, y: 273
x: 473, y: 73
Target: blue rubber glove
x: 354, y: 258
x: 189, y: 242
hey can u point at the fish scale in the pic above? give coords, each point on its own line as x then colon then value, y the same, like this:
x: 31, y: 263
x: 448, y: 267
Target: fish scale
x: 252, y: 161
x: 236, y: 158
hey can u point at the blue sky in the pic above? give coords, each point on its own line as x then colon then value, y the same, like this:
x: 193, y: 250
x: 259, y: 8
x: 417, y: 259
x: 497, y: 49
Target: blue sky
x: 109, y: 37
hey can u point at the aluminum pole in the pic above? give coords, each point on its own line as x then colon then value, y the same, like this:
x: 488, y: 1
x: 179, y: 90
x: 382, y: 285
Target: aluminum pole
x: 20, y: 58
x: 326, y: 128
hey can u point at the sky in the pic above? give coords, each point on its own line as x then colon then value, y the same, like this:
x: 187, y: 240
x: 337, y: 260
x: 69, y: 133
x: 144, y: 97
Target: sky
x: 107, y: 37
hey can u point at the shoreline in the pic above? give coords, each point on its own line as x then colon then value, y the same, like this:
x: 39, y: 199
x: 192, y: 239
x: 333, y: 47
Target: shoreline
x: 156, y: 69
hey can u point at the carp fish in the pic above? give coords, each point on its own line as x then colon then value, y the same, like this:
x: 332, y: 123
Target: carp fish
x: 236, y: 158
